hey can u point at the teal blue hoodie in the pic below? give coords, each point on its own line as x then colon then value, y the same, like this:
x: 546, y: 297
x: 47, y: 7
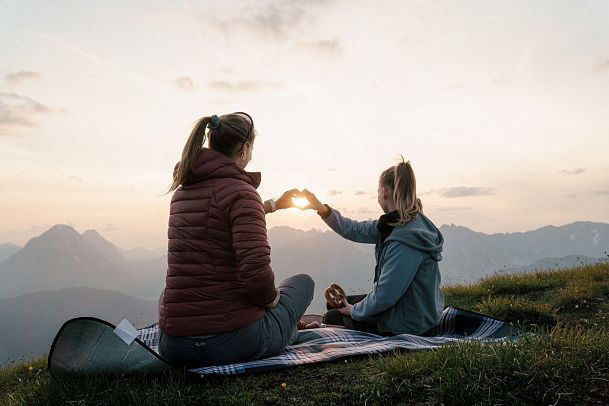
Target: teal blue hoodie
x: 406, y: 297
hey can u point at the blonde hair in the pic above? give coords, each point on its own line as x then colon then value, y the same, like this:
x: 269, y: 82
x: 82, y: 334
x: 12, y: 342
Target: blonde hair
x: 228, y: 136
x: 401, y: 180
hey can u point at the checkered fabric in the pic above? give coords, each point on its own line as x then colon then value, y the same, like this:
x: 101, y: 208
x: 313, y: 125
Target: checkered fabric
x: 326, y: 344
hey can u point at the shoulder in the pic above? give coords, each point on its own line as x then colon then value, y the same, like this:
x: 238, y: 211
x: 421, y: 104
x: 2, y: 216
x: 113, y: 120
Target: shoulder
x: 395, y: 248
x: 231, y: 190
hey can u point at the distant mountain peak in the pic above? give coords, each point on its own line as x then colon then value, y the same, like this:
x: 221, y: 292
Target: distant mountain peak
x: 92, y: 232
x: 103, y: 246
x: 94, y: 237
x: 60, y: 229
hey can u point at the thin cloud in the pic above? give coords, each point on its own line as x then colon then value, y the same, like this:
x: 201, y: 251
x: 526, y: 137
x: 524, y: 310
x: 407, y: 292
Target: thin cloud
x: 21, y: 77
x: 455, y: 86
x: 92, y: 57
x: 359, y: 193
x: 275, y: 22
x: 269, y: 23
x: 18, y: 112
x: 85, y: 54
x: 324, y: 48
x: 184, y: 83
x: 455, y: 208
x: 110, y: 228
x: 335, y: 192
x: 602, y: 192
x: 603, y: 66
x: 243, y: 86
x: 35, y: 228
x: 462, y: 191
x: 332, y: 169
x: 502, y: 80
x: 575, y: 171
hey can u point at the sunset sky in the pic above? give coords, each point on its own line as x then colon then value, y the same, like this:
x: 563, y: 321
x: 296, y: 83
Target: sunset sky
x: 502, y: 107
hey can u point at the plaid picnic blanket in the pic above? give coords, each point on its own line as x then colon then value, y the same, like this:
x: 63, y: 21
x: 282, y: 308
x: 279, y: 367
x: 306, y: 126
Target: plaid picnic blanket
x: 83, y: 347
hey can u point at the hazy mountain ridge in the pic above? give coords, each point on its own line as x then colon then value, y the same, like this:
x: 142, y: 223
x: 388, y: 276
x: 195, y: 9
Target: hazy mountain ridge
x: 61, y: 257
x: 142, y: 254
x: 31, y: 321
x: 468, y: 255
x: 568, y: 262
x: 7, y: 250
x: 63, y: 261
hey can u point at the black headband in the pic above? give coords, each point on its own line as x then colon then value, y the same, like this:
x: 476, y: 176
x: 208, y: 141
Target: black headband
x: 248, y: 135
x: 215, y: 123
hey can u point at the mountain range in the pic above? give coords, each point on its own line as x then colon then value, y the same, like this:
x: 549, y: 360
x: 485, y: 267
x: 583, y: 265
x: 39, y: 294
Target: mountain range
x: 29, y: 322
x: 61, y: 257
x: 468, y: 255
x: 62, y: 273
x: 7, y: 250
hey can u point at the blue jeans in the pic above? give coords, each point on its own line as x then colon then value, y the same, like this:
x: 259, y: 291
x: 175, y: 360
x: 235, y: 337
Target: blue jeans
x: 264, y: 338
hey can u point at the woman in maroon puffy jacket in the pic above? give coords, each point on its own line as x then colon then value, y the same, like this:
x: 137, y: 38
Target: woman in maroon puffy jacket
x: 220, y: 304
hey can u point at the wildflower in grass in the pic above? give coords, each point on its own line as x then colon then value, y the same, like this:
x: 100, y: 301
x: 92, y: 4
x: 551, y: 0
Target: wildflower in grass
x: 284, y: 385
x: 30, y: 368
x: 577, y: 306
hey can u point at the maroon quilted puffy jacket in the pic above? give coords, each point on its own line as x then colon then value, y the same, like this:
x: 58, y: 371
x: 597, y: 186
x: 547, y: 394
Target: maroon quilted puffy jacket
x: 219, y: 275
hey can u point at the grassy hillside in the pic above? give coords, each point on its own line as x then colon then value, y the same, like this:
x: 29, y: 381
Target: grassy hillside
x: 565, y: 361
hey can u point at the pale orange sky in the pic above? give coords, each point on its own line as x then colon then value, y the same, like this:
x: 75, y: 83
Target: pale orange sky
x: 500, y: 106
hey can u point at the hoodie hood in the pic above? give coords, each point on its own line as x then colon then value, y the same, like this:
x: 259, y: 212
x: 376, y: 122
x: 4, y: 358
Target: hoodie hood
x: 421, y: 234
x: 215, y: 165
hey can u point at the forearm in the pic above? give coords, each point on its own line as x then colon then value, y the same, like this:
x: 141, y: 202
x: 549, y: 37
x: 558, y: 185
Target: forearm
x: 261, y: 288
x: 251, y: 247
x: 357, y: 231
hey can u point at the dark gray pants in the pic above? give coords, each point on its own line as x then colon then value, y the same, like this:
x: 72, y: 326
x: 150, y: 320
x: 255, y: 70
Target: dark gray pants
x: 264, y: 338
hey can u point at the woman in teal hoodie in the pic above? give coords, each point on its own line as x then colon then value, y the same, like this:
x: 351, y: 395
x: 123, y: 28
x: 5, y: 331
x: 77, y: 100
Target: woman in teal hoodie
x: 406, y: 297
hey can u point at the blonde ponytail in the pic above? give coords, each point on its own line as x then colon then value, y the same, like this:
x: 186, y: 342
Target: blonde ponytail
x: 400, y: 178
x: 189, y: 153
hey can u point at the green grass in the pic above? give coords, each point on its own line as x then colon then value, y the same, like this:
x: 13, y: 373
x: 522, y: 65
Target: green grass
x: 564, y: 361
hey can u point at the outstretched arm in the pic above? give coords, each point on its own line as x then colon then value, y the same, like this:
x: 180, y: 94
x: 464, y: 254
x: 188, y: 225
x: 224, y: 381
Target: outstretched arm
x: 284, y: 202
x: 357, y: 231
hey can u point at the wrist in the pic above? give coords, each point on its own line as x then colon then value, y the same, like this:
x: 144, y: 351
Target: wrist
x: 324, y: 211
x: 272, y: 205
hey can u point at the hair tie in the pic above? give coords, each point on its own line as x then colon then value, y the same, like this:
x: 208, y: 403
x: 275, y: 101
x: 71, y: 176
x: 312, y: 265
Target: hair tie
x: 214, y: 123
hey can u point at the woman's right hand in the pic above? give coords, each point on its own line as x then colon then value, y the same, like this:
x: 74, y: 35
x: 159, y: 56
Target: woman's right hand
x: 285, y: 201
x: 314, y: 203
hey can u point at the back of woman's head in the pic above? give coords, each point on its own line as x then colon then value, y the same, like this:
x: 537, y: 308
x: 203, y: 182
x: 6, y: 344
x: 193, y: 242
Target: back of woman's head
x: 227, y: 134
x: 401, y: 181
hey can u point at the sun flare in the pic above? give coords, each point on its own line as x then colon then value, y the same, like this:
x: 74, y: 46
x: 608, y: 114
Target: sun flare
x: 300, y: 201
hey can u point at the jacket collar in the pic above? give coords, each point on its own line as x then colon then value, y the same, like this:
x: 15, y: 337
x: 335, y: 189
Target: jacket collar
x: 215, y: 165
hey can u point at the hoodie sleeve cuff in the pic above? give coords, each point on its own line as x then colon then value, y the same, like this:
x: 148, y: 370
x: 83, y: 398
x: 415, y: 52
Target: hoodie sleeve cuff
x: 329, y: 213
x: 357, y: 312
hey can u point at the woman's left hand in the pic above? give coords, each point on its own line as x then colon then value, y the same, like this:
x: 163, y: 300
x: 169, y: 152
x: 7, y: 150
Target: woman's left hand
x: 346, y: 309
x: 285, y: 201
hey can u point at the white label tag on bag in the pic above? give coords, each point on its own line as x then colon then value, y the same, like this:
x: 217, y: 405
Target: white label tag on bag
x: 126, y: 331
